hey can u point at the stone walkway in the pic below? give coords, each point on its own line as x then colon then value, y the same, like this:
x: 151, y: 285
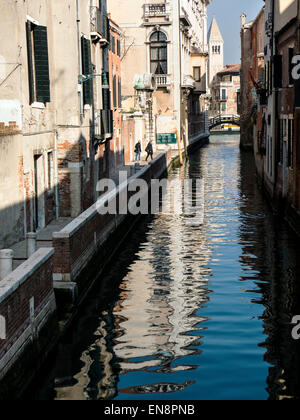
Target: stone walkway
x: 44, y: 240
x: 132, y: 168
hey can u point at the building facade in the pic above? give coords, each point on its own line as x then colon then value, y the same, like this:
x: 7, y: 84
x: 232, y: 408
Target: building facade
x: 275, y: 128
x: 252, y: 78
x: 216, y: 51
x: 225, y: 92
x: 164, y: 62
x: 55, y: 112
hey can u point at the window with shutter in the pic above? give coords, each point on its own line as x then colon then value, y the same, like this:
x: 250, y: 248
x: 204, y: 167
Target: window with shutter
x: 87, y: 70
x: 38, y: 63
x: 105, y: 92
x: 115, y: 91
x: 277, y: 71
x: 113, y: 45
x: 120, y: 93
x: 41, y: 64
x: 291, y: 55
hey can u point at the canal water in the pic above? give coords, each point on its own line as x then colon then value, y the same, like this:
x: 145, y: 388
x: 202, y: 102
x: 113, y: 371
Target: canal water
x: 192, y: 311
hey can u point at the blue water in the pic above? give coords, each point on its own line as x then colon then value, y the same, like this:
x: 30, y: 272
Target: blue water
x: 192, y: 312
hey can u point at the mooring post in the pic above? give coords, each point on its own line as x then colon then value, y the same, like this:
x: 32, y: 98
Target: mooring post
x: 31, y: 245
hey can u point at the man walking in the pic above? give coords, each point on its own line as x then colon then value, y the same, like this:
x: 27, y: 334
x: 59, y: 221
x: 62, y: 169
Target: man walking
x: 138, y: 151
x: 149, y: 150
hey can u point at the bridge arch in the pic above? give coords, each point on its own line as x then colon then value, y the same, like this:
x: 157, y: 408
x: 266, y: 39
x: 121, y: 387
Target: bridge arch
x: 224, y: 119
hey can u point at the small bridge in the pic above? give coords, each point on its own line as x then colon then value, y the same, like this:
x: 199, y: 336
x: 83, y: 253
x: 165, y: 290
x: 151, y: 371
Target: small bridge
x: 224, y: 120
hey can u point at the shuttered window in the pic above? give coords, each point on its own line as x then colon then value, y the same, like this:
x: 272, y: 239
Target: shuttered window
x: 291, y: 55
x: 120, y: 93
x: 105, y: 92
x: 38, y: 63
x: 86, y: 70
x: 115, y: 91
x: 119, y: 48
x: 277, y: 71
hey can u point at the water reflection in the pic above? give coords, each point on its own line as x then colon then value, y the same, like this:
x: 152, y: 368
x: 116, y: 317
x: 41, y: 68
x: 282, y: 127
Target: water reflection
x: 192, y: 311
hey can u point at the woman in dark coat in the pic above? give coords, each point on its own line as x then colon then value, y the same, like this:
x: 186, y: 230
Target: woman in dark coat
x: 149, y: 150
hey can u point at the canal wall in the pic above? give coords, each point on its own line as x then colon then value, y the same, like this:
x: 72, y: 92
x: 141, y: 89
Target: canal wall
x: 28, y: 325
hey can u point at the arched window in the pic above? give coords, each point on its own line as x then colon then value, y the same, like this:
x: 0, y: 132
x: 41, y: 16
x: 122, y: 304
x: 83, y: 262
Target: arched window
x: 159, y: 53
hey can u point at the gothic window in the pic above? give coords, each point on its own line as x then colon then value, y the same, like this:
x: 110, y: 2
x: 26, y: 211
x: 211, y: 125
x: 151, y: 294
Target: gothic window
x: 159, y: 53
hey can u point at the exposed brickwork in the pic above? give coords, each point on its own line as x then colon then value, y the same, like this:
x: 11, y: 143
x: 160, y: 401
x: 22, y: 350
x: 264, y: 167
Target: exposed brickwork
x: 15, y: 308
x: 8, y: 130
x: 120, y: 142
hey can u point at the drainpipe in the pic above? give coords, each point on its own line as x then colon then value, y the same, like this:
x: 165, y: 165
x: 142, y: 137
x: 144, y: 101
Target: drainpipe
x: 79, y: 53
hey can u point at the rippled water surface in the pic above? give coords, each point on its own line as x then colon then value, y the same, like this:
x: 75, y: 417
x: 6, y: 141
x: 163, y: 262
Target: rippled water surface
x: 192, y: 312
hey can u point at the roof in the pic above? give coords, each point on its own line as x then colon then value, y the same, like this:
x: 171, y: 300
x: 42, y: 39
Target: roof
x: 230, y: 68
x: 214, y: 33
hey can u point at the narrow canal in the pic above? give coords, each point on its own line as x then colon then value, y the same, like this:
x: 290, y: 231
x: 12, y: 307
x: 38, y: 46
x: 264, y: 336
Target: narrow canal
x: 192, y: 312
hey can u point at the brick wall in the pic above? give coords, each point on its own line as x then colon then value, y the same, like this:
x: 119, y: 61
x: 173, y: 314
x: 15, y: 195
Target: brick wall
x: 30, y: 284
x: 8, y: 130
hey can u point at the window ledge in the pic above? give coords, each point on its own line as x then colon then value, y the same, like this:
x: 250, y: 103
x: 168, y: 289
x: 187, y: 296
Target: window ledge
x: 38, y: 105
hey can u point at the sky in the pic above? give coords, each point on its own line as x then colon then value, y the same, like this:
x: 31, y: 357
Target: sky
x: 227, y: 13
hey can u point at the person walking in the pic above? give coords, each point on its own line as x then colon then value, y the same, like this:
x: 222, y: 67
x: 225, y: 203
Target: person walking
x: 138, y: 151
x: 149, y: 150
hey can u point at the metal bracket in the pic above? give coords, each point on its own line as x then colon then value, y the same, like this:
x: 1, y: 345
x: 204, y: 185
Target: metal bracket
x: 83, y: 79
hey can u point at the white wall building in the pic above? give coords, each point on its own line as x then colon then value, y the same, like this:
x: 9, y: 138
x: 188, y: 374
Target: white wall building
x: 167, y: 39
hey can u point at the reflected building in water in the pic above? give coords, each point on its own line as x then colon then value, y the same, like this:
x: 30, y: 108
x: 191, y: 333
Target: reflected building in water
x: 166, y: 287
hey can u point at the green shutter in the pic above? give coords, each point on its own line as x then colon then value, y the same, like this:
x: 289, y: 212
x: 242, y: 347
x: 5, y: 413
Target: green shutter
x: 105, y: 91
x: 86, y: 70
x: 30, y: 63
x: 41, y: 64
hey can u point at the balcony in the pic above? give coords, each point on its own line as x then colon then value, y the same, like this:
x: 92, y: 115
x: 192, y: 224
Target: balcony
x: 188, y: 82
x: 99, y: 25
x: 104, y: 127
x: 156, y: 10
x: 162, y: 80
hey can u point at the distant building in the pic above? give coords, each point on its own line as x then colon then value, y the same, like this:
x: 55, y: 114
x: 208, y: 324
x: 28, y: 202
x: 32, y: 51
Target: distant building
x: 225, y: 91
x: 216, y: 51
x: 252, y: 77
x: 164, y: 68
